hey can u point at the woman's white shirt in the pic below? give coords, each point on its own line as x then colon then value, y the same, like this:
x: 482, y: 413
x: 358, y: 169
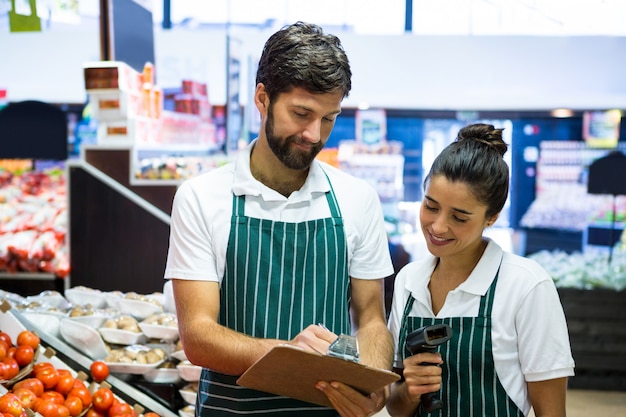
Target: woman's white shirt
x: 529, y: 333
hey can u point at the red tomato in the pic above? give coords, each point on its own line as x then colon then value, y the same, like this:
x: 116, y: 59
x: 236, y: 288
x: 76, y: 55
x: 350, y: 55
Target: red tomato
x: 24, y: 355
x: 99, y: 371
x: 81, y: 391
x: 102, y: 399
x: 26, y: 396
x: 92, y: 412
x: 11, y: 404
x: 74, y: 405
x: 6, y: 338
x: 32, y: 384
x: 65, y: 383
x: 11, y: 351
x: 3, y: 372
x: 53, y: 396
x: 78, y: 383
x: 3, y: 351
x: 28, y: 337
x: 48, y: 375
x: 63, y: 411
x: 48, y: 408
x: 36, y: 403
x: 41, y: 365
x: 151, y: 414
x: 12, y: 368
x: 119, y: 407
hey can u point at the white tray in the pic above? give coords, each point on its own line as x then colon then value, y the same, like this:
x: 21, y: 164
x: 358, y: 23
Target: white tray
x: 84, y: 338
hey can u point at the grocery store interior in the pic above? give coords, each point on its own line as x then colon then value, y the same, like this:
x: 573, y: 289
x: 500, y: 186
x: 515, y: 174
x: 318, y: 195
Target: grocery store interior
x: 107, y: 106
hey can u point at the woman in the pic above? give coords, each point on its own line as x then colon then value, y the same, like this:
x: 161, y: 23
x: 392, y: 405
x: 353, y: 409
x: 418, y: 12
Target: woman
x: 509, y: 347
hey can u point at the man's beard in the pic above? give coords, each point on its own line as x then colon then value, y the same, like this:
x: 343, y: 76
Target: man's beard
x: 281, y: 147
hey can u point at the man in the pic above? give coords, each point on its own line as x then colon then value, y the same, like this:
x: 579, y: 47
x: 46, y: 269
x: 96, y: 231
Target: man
x: 265, y: 249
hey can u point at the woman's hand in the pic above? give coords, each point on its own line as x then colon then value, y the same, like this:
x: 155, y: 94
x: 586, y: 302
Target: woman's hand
x: 422, y: 374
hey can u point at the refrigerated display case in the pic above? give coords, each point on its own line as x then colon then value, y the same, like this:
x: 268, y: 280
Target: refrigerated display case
x: 564, y: 215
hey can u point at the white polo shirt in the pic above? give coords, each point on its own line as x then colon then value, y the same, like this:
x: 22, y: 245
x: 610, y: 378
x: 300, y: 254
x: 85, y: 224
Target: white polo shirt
x: 529, y: 331
x: 202, y: 209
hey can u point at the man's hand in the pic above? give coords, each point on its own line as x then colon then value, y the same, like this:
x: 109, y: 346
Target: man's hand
x: 314, y: 338
x: 351, y: 403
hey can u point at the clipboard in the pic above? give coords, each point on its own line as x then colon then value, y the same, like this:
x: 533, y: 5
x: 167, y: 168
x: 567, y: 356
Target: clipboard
x: 290, y: 371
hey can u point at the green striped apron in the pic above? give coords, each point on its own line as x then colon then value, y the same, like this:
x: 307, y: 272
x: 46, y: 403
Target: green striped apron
x: 279, y: 278
x: 470, y: 386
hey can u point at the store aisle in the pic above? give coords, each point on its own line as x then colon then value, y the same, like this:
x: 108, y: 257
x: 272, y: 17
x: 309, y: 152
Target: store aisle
x: 586, y: 403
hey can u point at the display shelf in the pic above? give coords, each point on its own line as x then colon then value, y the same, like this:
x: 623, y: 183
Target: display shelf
x: 156, y: 182
x: 84, y: 149
x: 100, y: 187
x: 43, y: 276
x: 33, y: 211
x: 149, y: 401
x: 176, y: 148
x: 130, y: 230
x: 384, y: 171
x: 597, y: 326
x: 562, y: 201
x: 32, y: 282
x: 539, y: 239
x: 566, y: 162
x: 172, y: 164
x: 602, y: 235
x: 607, y: 225
x: 115, y: 162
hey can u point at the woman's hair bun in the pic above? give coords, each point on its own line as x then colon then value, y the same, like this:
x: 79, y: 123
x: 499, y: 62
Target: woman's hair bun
x: 485, y: 134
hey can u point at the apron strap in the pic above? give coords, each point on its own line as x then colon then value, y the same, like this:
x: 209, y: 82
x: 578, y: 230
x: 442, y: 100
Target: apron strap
x: 405, y: 316
x: 239, y: 204
x: 486, y: 301
x: 335, y: 212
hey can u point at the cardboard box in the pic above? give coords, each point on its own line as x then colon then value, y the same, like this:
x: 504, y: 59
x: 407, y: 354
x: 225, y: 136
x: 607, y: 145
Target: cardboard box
x: 111, y: 75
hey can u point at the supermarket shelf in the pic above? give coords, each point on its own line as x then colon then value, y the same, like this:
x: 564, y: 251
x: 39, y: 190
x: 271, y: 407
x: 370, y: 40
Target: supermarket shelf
x: 119, y: 188
x: 118, y: 238
x: 607, y: 225
x: 156, y: 182
x: 538, y: 239
x: 602, y: 234
x: 28, y: 275
x: 79, y: 362
x: 32, y: 282
x: 107, y: 146
x: 116, y: 164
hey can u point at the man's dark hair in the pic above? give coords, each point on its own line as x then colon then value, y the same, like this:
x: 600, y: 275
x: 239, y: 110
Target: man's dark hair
x: 302, y: 55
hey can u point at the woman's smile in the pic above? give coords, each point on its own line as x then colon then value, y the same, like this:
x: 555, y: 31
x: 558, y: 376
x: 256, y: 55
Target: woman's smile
x: 439, y: 241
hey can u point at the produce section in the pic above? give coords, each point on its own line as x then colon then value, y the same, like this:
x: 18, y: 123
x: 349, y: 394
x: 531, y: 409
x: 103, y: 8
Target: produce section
x: 141, y: 371
x: 33, y: 209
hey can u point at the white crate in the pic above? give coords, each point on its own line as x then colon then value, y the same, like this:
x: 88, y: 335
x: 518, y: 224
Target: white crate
x: 115, y: 105
x: 126, y: 132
